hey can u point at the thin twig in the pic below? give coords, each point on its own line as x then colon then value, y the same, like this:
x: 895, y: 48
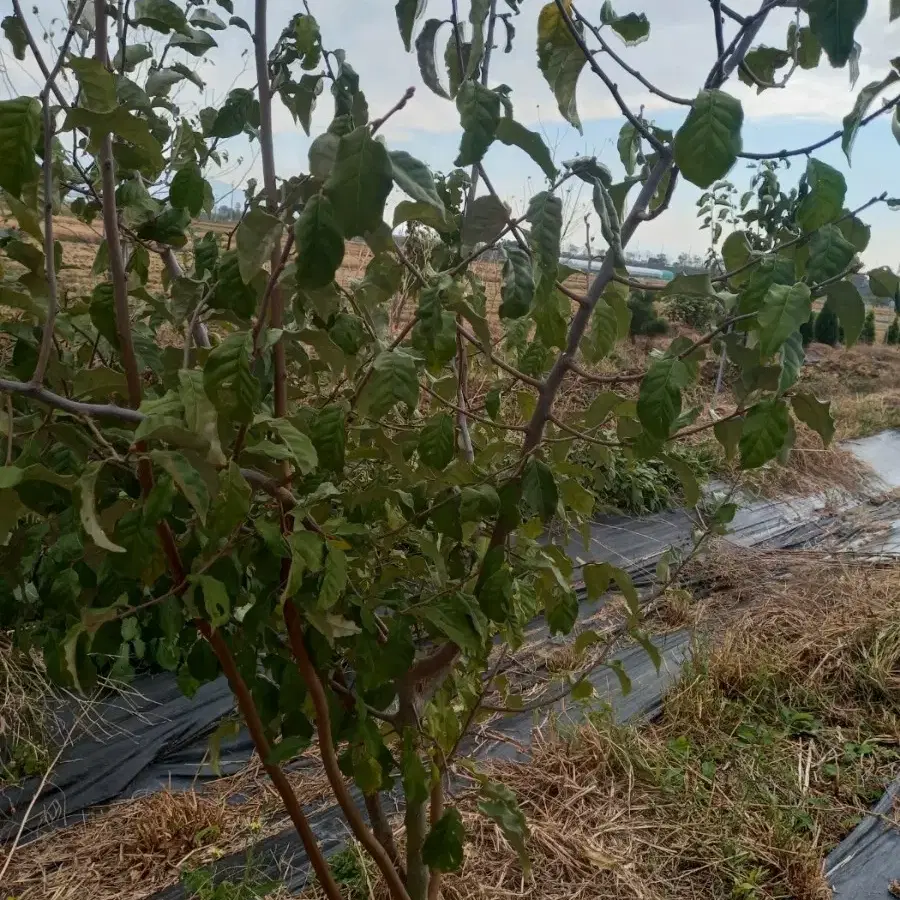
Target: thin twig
x: 408, y: 94
x: 634, y: 73
x: 613, y: 89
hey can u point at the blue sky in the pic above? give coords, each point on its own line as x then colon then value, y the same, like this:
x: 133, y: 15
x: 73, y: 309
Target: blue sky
x: 677, y: 56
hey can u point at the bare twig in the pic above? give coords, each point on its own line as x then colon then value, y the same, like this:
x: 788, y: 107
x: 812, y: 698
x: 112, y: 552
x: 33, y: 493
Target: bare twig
x: 634, y: 73
x: 408, y: 94
x: 613, y: 89
x: 809, y: 148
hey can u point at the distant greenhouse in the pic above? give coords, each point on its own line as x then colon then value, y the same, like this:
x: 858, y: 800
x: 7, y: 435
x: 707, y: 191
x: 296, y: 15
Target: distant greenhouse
x: 640, y: 273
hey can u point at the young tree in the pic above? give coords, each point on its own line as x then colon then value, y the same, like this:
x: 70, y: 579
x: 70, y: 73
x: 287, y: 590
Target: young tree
x: 310, y: 505
x: 827, y: 327
x: 867, y: 335
x: 645, y: 321
x: 892, y: 335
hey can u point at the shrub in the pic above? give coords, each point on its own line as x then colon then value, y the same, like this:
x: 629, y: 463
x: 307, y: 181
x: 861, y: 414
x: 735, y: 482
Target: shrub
x: 807, y: 330
x: 691, y: 309
x: 892, y: 336
x: 644, y: 318
x: 827, y: 330
x: 867, y: 335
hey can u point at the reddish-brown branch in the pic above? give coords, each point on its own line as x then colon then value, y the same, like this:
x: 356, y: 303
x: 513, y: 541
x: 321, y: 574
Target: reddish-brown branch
x: 267, y: 152
x: 329, y: 758
x: 258, y: 733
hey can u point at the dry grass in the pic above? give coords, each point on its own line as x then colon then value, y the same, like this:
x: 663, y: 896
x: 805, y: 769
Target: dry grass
x: 769, y: 751
x: 27, y: 721
x: 136, y: 848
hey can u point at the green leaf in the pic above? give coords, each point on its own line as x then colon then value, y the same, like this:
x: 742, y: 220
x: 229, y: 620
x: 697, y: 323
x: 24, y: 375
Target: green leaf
x: 846, y: 301
x: 320, y: 244
x: 123, y: 124
x: 545, y: 212
x: 98, y: 86
x: 200, y: 413
x: 513, y: 134
x: 87, y: 511
x: 194, y: 41
x: 689, y: 484
x: 215, y: 598
x: 633, y: 28
x: 708, y: 143
x: 15, y: 34
x: 765, y: 429
x: 834, y: 24
x: 830, y: 253
x: 232, y: 502
x: 426, y: 56
x: 815, y: 413
x: 27, y: 218
x: 160, y: 15
x: 883, y: 282
x: 230, y: 292
x: 437, y: 440
x: 228, y: 380
x: 188, y: 189
x: 359, y: 183
x: 394, y: 380
x: 728, y: 434
x: 457, y: 617
x: 517, y: 289
x: 763, y: 62
x: 689, y: 286
x: 603, y: 334
x: 825, y: 200
x: 784, y: 310
x: 793, y: 356
x: 133, y: 56
x: 628, y: 145
x: 205, y: 18
x: 864, y: 101
x: 334, y: 578
x: 582, y: 690
x: 20, y: 127
x: 407, y: 211
x: 412, y: 770
x: 186, y: 477
x: 408, y: 11
x: 414, y: 178
x: 560, y: 60
x: 256, y: 237
x: 443, y: 847
x: 500, y: 805
x: 659, y: 401
x: 486, y: 217
x: 804, y: 44
x: 328, y: 432
x: 302, y: 449
x: 479, y: 115
x: 855, y: 231
x: 539, y: 489
x: 239, y: 110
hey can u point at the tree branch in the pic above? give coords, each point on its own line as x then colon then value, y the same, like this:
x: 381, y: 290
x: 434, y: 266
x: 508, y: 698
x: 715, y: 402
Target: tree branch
x: 263, y: 748
x: 49, y: 251
x: 329, y: 759
x: 520, y: 376
x: 809, y: 148
x: 267, y: 151
x: 613, y: 89
x: 407, y: 96
x: 634, y: 73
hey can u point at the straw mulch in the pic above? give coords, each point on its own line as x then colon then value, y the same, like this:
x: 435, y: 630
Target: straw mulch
x: 136, y: 848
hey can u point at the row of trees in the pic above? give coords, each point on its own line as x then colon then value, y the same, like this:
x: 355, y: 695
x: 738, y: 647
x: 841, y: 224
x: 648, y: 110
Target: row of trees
x: 307, y: 502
